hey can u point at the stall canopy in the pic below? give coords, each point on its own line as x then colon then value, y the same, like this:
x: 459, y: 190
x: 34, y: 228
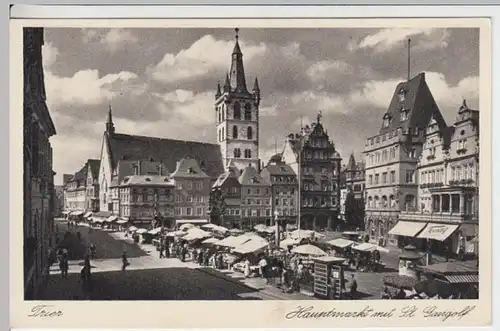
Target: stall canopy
x: 462, y: 279
x: 367, y: 247
x: 77, y: 213
x: 178, y: 222
x: 111, y: 218
x: 195, y: 234
x: 308, y: 250
x: 452, y: 268
x: 306, y: 234
x: 210, y: 241
x: 438, y: 232
x: 341, y: 242
x: 97, y: 220
x: 186, y: 226
x: 141, y: 231
x: 289, y: 242
x: 87, y: 214
x: 209, y: 226
x: 251, y: 246
x: 132, y: 228
x: 155, y: 231
x: 233, y: 241
x: 121, y: 221
x: 408, y: 229
x: 66, y: 212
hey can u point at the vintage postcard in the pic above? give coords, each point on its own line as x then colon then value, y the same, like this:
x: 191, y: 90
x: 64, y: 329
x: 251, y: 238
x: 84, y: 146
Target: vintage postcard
x: 250, y: 173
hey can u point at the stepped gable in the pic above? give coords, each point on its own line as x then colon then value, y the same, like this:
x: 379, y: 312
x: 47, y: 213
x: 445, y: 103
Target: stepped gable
x: 167, y: 151
x: 419, y: 103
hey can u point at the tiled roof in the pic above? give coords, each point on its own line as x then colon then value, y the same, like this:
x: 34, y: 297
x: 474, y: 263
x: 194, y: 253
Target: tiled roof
x: 147, y: 180
x: 418, y: 101
x: 232, y: 172
x: 250, y: 176
x: 188, y: 167
x: 81, y: 174
x: 94, y: 167
x: 168, y: 151
x: 280, y: 169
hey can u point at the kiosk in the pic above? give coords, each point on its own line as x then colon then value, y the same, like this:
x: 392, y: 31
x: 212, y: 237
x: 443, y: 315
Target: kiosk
x: 328, y: 277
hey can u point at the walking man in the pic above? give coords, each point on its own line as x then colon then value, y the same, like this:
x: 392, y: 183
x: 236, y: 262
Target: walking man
x: 354, y: 288
x: 162, y: 249
x: 125, y: 262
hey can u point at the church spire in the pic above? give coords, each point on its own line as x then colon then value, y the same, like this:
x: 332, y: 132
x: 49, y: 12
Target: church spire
x: 237, y: 75
x: 227, y: 84
x: 218, y: 93
x: 110, y: 127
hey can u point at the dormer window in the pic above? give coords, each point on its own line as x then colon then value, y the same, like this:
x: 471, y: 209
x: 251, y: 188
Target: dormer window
x: 255, y: 180
x: 402, y: 95
x: 403, y: 114
x: 191, y: 170
x: 386, y: 120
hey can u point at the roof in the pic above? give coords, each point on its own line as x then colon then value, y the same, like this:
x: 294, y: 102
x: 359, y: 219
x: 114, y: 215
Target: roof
x: 94, y: 167
x: 80, y: 175
x: 450, y: 268
x: 314, y: 131
x: 147, y: 181
x: 280, y: 170
x: 232, y: 172
x: 418, y: 101
x: 250, y: 176
x: 168, y: 151
x: 188, y: 167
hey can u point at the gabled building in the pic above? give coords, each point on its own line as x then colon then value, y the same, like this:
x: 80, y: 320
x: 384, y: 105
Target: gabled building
x: 255, y: 198
x: 284, y: 189
x: 448, y: 172
x: 226, y: 200
x: 192, y: 190
x: 353, y: 194
x: 392, y: 155
x: 320, y: 175
x: 237, y: 115
x: 81, y: 191
x: 92, y: 186
x: 117, y: 148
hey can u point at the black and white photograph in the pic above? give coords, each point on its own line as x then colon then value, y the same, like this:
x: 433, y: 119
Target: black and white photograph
x: 242, y: 163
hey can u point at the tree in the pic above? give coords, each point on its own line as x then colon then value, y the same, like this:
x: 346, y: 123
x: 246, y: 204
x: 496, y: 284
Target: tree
x: 354, y: 209
x: 217, y: 205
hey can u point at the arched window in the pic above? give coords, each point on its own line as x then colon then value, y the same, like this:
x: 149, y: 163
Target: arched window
x: 377, y: 202
x: 223, y: 136
x: 222, y: 112
x: 220, y: 116
x: 384, y: 201
x: 409, y: 202
x: 237, y: 111
x: 235, y: 132
x: 249, y: 133
x: 370, y: 202
x: 392, y: 202
x: 248, y: 112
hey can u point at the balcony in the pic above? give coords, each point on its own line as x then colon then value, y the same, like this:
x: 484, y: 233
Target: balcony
x: 461, y: 151
x: 431, y: 185
x: 461, y: 182
x: 428, y: 216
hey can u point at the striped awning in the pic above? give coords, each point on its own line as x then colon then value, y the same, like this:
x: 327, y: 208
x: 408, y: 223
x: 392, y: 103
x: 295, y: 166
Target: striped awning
x: 463, y: 279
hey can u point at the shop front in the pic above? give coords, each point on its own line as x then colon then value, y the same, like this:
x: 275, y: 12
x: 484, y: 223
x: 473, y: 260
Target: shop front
x: 406, y: 233
x: 378, y: 229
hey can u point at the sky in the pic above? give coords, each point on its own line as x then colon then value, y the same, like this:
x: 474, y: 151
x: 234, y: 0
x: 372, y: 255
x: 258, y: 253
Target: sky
x: 161, y: 82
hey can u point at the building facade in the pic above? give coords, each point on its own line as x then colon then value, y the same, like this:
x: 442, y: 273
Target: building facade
x: 448, y: 172
x: 391, y: 157
x: 146, y: 199
x: 128, y: 150
x: 38, y: 180
x: 353, y: 194
x: 237, y: 116
x: 284, y: 189
x: 255, y: 198
x: 58, y: 200
x: 312, y: 155
x: 92, y: 186
x: 225, y: 199
x: 81, y: 191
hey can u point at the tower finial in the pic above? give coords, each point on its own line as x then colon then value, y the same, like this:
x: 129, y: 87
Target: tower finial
x: 320, y: 115
x: 110, y: 127
x: 237, y: 30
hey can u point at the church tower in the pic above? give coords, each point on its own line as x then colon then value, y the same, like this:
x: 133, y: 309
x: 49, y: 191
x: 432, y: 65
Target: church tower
x: 237, y: 115
x: 110, y: 127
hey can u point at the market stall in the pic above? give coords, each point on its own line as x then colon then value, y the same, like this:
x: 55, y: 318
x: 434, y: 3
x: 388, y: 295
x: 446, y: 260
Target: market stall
x: 309, y: 250
x: 367, y: 257
x: 342, y: 246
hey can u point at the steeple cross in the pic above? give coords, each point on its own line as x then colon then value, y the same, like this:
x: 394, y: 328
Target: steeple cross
x: 320, y: 115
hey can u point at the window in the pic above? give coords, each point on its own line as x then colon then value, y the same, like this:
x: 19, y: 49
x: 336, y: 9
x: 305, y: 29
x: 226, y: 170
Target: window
x: 461, y: 144
x: 376, y: 179
x: 384, y: 201
x: 469, y: 204
x: 237, y: 152
x: 409, y: 202
x: 376, y: 202
x: 144, y: 195
x: 199, y: 211
x: 235, y: 132
x: 237, y: 111
x: 445, y: 203
x: 248, y: 112
x: 177, y: 210
x: 189, y: 211
x: 386, y: 122
x: 189, y: 198
x: 403, y: 115
x: 393, y: 176
x: 412, y: 154
x: 392, y: 201
x: 249, y: 133
x: 370, y: 180
x: 452, y: 173
x: 384, y: 178
x: 248, y: 154
x: 455, y: 203
x: 436, y: 203
x: 222, y: 112
x: 223, y: 136
x: 410, y: 176
x: 465, y: 171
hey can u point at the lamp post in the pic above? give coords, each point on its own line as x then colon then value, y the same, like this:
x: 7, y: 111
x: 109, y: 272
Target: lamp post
x: 277, y: 231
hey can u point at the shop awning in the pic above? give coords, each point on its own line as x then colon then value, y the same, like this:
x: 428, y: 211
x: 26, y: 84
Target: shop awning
x: 111, y: 218
x: 408, y: 229
x: 121, y: 221
x: 438, y: 232
x: 463, y: 279
x: 97, y: 220
x: 341, y: 242
x: 191, y: 221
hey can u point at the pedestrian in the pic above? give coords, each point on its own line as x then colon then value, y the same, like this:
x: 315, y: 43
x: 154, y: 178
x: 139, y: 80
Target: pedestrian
x: 247, y: 268
x: 162, y: 249
x: 183, y: 253
x: 201, y: 257
x: 353, y: 287
x: 195, y: 255
x: 63, y: 265
x: 220, y: 260
x: 262, y: 266
x: 167, y: 247
x: 85, y: 275
x: 386, y: 294
x: 125, y: 262
x: 92, y: 251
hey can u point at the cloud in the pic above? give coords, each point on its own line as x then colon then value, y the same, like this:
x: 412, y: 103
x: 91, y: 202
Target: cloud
x: 206, y: 55
x: 387, y: 39
x: 112, y: 38
x: 49, y: 55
